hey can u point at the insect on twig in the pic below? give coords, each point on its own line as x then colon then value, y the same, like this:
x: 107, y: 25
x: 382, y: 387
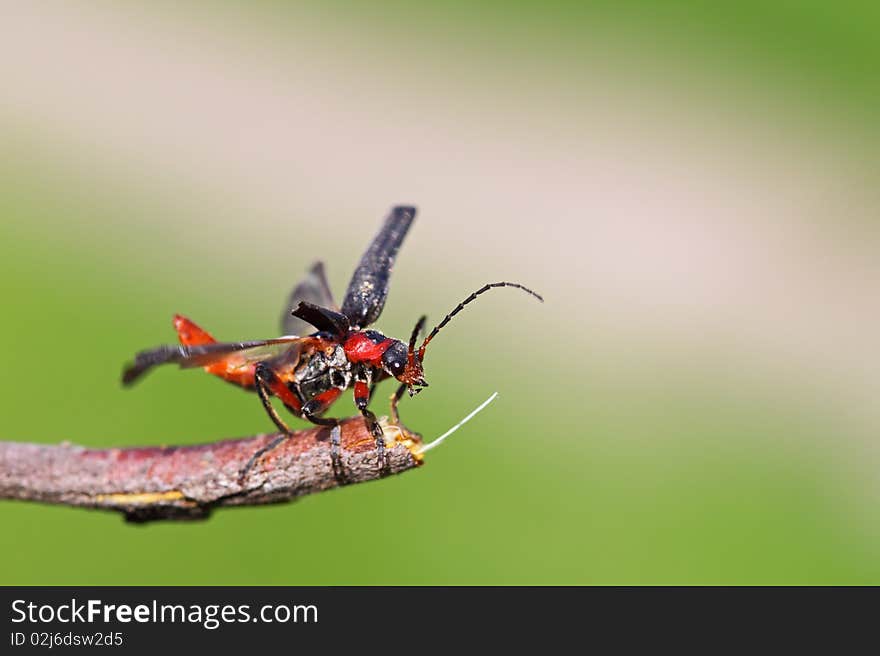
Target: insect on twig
x: 325, y: 348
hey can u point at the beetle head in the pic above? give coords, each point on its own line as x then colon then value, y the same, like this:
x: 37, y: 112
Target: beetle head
x: 401, y: 363
x: 413, y: 375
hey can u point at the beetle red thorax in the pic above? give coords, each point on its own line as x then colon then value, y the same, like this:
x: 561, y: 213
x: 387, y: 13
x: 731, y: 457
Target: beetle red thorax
x: 367, y: 347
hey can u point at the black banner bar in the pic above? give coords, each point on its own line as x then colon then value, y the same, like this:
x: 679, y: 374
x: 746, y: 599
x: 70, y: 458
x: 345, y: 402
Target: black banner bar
x: 224, y: 619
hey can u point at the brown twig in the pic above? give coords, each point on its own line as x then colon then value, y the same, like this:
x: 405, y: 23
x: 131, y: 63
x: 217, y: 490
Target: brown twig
x: 187, y: 482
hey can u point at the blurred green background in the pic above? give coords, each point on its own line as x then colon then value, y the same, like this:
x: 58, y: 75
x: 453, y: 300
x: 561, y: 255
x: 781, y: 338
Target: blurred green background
x: 691, y: 185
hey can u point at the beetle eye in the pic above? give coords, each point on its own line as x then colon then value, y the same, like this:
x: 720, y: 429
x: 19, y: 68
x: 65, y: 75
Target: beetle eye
x: 394, y: 359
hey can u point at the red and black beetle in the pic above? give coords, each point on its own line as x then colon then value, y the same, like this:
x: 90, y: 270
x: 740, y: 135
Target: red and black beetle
x: 309, y: 373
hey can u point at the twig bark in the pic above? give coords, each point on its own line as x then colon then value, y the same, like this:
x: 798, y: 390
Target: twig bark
x: 187, y: 482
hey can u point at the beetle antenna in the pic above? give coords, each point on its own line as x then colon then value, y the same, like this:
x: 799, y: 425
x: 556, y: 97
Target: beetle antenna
x: 461, y: 305
x: 420, y: 324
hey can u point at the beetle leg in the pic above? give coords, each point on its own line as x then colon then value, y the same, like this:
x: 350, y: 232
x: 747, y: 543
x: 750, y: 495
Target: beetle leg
x: 266, y: 381
x: 315, y: 407
x: 319, y: 404
x: 259, y: 453
x: 395, y: 399
x: 361, y: 400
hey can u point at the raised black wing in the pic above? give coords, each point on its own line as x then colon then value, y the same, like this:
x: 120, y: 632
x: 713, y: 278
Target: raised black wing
x: 323, y: 318
x: 207, y: 354
x: 311, y: 289
x: 368, y: 288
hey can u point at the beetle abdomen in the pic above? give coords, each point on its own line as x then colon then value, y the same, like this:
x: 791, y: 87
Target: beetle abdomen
x: 321, y: 372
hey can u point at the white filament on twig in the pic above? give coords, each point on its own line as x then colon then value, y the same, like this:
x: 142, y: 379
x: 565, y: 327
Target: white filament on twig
x: 440, y: 439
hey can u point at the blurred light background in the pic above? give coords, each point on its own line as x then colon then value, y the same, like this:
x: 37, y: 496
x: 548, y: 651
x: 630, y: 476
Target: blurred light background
x: 693, y: 186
